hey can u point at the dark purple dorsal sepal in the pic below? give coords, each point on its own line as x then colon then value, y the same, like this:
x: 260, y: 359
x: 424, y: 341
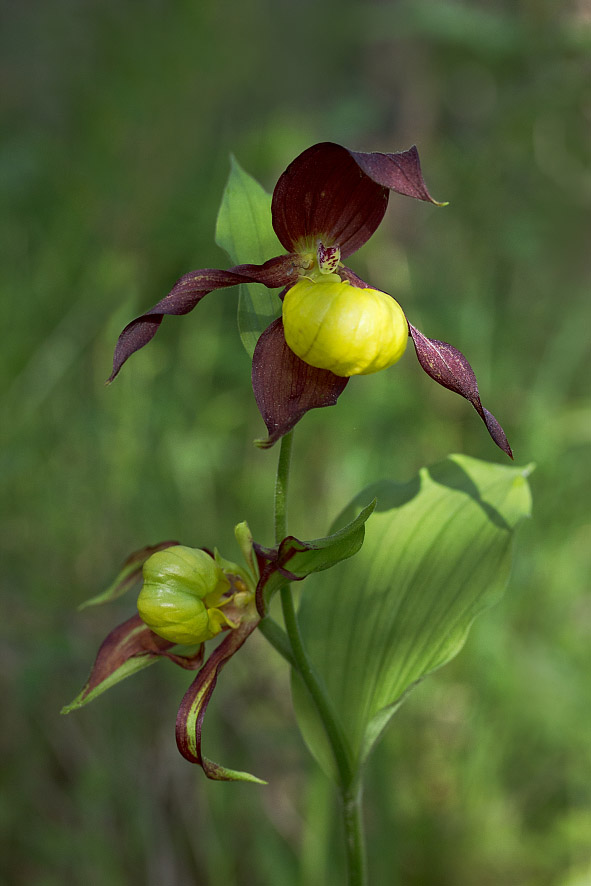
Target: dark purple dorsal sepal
x: 400, y: 172
x: 339, y: 197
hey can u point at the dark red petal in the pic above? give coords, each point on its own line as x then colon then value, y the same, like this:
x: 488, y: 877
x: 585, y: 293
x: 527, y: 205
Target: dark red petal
x: 187, y: 662
x: 132, y: 638
x: 399, y: 172
x: 189, y: 722
x: 285, y: 387
x: 323, y: 195
x: 188, y: 292
x: 449, y: 368
x: 130, y: 647
x: 338, y: 196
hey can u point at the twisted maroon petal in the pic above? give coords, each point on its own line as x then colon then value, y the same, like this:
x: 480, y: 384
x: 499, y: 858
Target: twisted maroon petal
x: 133, y: 639
x: 188, y: 292
x: 285, y: 387
x: 189, y: 723
x: 449, y: 368
x: 338, y: 196
x: 126, y: 641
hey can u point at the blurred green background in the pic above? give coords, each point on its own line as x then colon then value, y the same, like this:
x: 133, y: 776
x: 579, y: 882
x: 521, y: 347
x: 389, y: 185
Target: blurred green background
x: 118, y: 121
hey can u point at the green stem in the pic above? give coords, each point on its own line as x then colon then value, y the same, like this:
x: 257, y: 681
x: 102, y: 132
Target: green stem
x: 278, y: 639
x: 354, y: 836
x: 348, y: 784
x: 331, y: 723
x: 281, y: 487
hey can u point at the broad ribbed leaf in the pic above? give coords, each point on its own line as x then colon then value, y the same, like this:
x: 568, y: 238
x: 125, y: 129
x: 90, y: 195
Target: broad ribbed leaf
x: 244, y: 231
x: 437, y: 552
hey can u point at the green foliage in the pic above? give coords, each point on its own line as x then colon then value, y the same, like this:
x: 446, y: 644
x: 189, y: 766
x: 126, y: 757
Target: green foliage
x: 436, y: 553
x: 300, y: 559
x: 244, y: 230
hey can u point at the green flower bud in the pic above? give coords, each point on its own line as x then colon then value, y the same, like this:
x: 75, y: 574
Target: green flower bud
x: 182, y: 594
x: 331, y: 324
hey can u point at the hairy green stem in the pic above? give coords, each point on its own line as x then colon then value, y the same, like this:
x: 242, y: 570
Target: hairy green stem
x: 348, y: 783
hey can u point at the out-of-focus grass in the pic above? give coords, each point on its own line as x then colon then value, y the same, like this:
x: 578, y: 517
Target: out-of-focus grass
x: 118, y: 124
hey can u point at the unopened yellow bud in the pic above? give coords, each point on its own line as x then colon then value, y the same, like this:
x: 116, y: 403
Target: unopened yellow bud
x: 331, y: 324
x: 182, y: 592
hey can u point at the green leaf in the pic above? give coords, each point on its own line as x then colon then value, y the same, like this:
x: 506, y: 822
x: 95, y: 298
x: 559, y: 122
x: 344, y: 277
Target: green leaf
x: 294, y: 560
x: 245, y: 232
x: 437, y: 552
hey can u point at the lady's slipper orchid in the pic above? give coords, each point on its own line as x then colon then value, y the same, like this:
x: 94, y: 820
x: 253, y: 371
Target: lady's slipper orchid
x: 188, y: 597
x: 326, y: 205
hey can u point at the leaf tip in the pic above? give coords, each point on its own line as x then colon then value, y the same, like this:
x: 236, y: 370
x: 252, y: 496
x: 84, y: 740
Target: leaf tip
x: 247, y: 776
x: 72, y: 706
